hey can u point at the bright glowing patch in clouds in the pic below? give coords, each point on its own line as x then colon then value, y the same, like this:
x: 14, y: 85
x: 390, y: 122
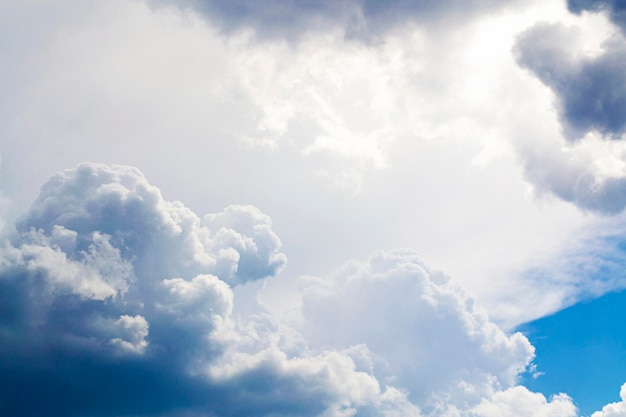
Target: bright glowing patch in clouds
x: 428, y: 116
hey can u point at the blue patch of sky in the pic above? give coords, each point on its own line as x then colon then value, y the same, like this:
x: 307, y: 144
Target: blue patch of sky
x: 581, y: 351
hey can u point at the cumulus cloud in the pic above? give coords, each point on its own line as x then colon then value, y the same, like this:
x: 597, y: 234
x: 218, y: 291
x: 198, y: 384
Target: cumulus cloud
x: 410, y: 318
x: 102, y: 269
x: 519, y: 401
x: 617, y: 409
x: 163, y: 239
x: 117, y: 302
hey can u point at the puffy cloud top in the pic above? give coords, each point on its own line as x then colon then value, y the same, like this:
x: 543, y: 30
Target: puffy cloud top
x: 102, y: 271
x: 117, y: 302
x: 409, y: 317
x: 162, y: 239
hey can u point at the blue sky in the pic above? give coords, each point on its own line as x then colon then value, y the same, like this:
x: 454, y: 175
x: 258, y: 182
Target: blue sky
x: 578, y: 345
x: 312, y: 208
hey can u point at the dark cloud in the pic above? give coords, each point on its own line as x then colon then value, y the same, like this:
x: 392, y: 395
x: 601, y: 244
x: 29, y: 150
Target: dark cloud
x: 616, y: 9
x: 591, y: 91
x: 116, y: 302
x: 394, y: 296
x: 110, y: 295
x: 359, y: 18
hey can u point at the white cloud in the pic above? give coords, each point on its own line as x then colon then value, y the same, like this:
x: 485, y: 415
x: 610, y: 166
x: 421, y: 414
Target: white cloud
x: 519, y: 401
x: 139, y: 327
x: 134, y: 330
x: 245, y: 117
x: 98, y: 272
x: 617, y: 409
x: 433, y: 152
x: 163, y: 239
x: 424, y: 332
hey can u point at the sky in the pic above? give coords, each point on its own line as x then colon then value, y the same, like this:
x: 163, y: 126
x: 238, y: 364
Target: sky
x: 216, y: 208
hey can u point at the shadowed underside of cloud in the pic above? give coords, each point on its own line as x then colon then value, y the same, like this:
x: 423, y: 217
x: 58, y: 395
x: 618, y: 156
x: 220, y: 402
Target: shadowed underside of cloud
x: 591, y: 91
x: 590, y: 94
x: 616, y: 9
x: 362, y: 19
x: 117, y: 302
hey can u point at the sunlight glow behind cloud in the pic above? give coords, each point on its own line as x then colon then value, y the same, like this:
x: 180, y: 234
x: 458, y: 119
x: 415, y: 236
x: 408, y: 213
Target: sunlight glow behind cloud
x: 482, y: 136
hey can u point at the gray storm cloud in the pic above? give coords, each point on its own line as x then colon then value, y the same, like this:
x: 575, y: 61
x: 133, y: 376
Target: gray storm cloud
x: 591, y: 91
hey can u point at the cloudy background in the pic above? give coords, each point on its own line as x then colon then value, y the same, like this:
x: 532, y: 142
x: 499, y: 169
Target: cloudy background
x: 312, y: 208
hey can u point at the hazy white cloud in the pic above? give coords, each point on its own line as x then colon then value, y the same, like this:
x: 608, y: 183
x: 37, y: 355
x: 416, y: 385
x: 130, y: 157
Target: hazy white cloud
x: 417, y: 148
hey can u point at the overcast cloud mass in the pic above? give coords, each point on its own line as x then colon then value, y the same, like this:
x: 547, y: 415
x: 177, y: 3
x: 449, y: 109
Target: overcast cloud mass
x: 306, y: 208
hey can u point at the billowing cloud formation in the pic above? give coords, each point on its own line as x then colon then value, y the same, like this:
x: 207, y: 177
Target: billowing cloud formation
x: 409, y: 318
x: 104, y: 273
x: 117, y: 302
x: 518, y: 401
x: 591, y: 90
x: 163, y: 239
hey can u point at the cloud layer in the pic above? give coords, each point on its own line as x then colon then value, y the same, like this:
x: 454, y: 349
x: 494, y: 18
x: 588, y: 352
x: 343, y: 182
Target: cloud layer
x: 364, y: 19
x: 118, y: 302
x: 115, y: 301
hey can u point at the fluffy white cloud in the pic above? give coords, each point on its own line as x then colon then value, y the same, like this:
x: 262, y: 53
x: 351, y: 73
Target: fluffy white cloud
x: 617, y: 409
x: 519, y: 401
x: 423, y: 332
x: 162, y: 239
